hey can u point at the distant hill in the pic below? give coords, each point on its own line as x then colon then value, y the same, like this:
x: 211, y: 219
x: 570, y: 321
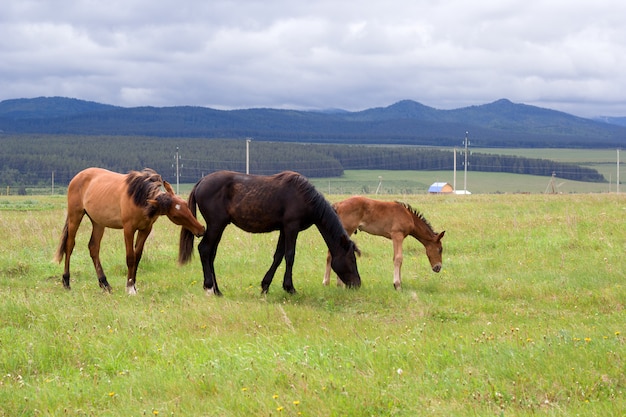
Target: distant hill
x: 48, y: 107
x: 501, y: 123
x: 619, y: 121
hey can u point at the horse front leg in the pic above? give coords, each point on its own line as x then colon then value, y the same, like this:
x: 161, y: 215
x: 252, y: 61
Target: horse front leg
x: 278, y: 257
x: 129, y: 243
x: 207, y: 248
x: 94, y: 251
x: 290, y: 256
x: 397, y: 260
x: 131, y: 281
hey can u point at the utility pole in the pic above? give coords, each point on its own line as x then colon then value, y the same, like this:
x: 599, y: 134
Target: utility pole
x: 380, y: 182
x: 177, y: 171
x: 465, y: 177
x: 248, y: 140
x: 454, y: 176
x: 617, y: 181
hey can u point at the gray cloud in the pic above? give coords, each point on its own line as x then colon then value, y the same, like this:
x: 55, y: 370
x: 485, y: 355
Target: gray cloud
x: 291, y: 54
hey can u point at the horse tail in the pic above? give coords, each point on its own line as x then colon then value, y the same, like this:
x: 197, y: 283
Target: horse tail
x: 58, y: 257
x: 185, y: 248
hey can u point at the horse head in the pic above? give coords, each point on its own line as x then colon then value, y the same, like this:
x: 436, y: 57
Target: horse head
x: 345, y: 265
x: 177, y: 210
x: 434, y: 250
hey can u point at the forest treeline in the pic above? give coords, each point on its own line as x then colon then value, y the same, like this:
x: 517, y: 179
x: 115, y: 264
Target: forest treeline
x: 28, y: 160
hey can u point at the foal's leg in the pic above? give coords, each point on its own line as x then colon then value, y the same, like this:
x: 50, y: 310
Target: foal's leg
x: 278, y: 257
x: 142, y: 235
x: 397, y: 259
x: 94, y: 251
x: 327, y: 272
x: 207, y: 248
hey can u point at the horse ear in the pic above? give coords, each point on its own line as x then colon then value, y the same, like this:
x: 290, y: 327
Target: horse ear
x: 168, y: 187
x: 440, y: 235
x: 153, y: 202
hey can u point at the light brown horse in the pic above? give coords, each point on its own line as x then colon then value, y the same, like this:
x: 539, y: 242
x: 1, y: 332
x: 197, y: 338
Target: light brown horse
x: 132, y: 202
x: 393, y: 220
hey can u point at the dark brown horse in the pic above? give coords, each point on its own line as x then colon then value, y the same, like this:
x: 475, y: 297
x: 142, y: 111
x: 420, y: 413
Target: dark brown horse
x: 259, y: 204
x: 393, y: 220
x: 132, y: 202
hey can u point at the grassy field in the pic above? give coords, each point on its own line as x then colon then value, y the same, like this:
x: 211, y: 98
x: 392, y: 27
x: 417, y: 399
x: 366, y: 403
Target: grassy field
x: 526, y: 318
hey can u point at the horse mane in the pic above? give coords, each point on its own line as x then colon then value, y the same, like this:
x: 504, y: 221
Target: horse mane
x: 417, y: 214
x: 143, y: 186
x: 320, y: 206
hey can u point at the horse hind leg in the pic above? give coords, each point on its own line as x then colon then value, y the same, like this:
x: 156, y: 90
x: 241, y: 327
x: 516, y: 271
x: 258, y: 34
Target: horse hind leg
x: 327, y: 272
x: 94, y: 252
x: 63, y: 251
x: 67, y: 243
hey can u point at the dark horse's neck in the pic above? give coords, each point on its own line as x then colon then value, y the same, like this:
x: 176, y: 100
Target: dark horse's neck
x: 330, y: 227
x: 323, y: 217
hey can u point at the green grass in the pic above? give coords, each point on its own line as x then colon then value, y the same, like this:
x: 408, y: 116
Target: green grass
x: 417, y: 182
x: 526, y: 318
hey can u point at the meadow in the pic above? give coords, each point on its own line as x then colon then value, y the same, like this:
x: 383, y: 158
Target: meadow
x: 526, y: 318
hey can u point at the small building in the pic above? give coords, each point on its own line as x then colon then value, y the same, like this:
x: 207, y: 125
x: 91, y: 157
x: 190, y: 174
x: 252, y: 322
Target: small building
x: 440, y: 188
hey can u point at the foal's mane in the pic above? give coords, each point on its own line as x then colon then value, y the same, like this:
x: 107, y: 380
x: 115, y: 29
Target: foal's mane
x: 417, y: 214
x: 321, y: 207
x: 143, y: 185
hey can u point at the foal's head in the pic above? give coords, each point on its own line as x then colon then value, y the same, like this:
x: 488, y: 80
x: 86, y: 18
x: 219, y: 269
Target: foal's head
x: 423, y: 231
x: 434, y: 250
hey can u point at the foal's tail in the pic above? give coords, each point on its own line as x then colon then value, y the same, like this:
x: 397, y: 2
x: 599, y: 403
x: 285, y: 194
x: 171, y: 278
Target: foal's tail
x: 185, y: 248
x: 58, y: 257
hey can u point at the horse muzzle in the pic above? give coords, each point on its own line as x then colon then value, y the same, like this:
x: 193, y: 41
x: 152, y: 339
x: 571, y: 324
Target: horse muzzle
x: 436, y: 267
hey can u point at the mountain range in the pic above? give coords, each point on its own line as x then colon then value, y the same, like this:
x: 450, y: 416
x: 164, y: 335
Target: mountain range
x: 501, y: 123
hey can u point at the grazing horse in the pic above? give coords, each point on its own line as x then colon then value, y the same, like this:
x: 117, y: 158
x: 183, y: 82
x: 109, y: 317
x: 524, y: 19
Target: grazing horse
x: 132, y: 202
x: 259, y: 204
x: 393, y: 220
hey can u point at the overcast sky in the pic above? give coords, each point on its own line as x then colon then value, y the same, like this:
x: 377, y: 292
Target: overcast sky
x: 318, y: 54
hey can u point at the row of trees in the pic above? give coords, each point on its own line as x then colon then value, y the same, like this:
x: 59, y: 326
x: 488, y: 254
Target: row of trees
x: 31, y: 159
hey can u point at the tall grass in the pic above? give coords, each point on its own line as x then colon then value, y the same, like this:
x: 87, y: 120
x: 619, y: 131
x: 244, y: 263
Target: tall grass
x: 526, y: 318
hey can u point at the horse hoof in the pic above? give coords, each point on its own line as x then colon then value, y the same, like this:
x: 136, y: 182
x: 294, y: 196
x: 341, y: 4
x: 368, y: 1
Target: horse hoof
x: 397, y: 287
x: 131, y: 290
x: 212, y: 292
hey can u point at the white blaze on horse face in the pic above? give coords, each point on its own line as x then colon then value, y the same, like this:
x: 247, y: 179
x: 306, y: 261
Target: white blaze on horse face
x: 177, y: 206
